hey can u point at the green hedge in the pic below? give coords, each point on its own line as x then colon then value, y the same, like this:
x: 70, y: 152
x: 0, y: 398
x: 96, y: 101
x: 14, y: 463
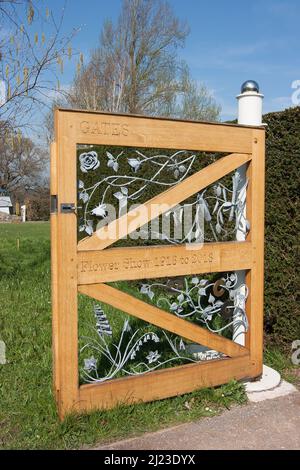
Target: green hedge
x: 282, y: 312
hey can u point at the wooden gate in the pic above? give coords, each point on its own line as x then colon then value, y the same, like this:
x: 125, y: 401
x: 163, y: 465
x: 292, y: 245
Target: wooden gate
x: 245, y: 146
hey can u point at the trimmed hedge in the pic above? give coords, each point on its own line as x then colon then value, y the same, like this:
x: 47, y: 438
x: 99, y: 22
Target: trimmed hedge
x: 282, y: 312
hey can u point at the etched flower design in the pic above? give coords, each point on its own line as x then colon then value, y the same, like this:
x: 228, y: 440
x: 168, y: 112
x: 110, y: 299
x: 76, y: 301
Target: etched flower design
x: 90, y: 364
x: 146, y: 289
x: 123, y: 194
x: 177, y: 309
x: 135, y: 163
x: 112, y: 162
x: 87, y: 227
x: 89, y: 161
x: 179, y: 169
x: 218, y: 190
x: 100, y: 210
x: 126, y: 327
x: 84, y: 197
x: 153, y: 356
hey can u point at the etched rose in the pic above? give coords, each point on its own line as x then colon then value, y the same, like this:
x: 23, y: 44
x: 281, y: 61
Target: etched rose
x: 89, y: 161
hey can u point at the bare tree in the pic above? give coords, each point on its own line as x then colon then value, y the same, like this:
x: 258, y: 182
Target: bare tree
x: 28, y: 56
x: 195, y: 101
x: 21, y: 161
x: 136, y: 68
x: 37, y: 201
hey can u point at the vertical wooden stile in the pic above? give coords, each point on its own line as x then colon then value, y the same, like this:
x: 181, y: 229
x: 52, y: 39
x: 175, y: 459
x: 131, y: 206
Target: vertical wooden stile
x: 54, y: 279
x: 255, y: 277
x: 67, y: 269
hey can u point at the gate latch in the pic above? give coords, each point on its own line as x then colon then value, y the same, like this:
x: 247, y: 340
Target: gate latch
x: 67, y: 208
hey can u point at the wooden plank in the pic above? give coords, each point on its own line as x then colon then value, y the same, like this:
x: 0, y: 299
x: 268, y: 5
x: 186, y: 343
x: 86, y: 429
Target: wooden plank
x: 66, y: 268
x: 137, y: 131
x: 160, y: 204
x: 162, y: 319
x: 54, y: 273
x: 255, y: 279
x: 118, y: 264
x: 164, y: 383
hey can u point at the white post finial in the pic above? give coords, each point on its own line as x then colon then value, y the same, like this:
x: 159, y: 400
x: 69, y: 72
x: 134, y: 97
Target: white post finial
x: 250, y: 104
x: 249, y: 114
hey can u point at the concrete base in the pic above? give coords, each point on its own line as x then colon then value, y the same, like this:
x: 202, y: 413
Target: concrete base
x: 270, y: 379
x: 269, y: 386
x: 284, y: 388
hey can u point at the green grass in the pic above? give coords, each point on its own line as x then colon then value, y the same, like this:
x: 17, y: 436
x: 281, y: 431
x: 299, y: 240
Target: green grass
x: 28, y: 417
x: 281, y: 362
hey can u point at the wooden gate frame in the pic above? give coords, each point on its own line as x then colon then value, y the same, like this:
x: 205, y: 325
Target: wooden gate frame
x: 246, y: 145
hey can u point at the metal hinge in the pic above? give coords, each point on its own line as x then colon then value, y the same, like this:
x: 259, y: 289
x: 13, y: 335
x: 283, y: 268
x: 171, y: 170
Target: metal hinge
x: 67, y: 208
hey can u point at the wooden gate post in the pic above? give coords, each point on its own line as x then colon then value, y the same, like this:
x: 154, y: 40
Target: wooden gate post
x: 250, y: 114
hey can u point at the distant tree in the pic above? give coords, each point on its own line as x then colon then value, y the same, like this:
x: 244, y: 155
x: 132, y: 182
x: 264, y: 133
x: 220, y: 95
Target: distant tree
x: 136, y: 69
x: 195, y: 101
x: 37, y: 202
x: 21, y: 161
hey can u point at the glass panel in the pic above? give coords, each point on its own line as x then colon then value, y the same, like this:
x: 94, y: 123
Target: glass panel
x: 112, y: 179
x: 214, y: 301
x: 113, y: 345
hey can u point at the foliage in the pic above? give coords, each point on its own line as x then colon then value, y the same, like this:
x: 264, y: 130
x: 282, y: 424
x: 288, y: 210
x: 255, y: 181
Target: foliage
x: 282, y: 314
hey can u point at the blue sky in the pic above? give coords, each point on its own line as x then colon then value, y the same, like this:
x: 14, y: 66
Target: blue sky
x: 230, y: 41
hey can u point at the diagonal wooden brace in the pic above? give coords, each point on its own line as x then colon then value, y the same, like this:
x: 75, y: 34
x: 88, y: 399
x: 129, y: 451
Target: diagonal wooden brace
x: 162, y: 319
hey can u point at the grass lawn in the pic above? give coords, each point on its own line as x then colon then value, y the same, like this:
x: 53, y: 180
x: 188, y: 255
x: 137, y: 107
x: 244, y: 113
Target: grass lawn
x: 28, y: 418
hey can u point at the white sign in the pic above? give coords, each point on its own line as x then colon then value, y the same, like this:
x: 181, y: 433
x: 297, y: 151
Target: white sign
x: 2, y: 93
x: 2, y: 353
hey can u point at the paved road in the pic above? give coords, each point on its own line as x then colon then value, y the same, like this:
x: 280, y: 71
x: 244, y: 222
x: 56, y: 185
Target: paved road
x: 271, y: 424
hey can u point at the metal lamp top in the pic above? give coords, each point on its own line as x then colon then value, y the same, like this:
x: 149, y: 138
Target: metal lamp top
x: 250, y: 85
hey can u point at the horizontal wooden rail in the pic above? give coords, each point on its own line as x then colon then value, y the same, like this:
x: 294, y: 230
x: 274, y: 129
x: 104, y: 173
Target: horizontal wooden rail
x: 135, y: 131
x: 162, y: 319
x: 160, y: 204
x: 120, y: 264
x: 163, y: 383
